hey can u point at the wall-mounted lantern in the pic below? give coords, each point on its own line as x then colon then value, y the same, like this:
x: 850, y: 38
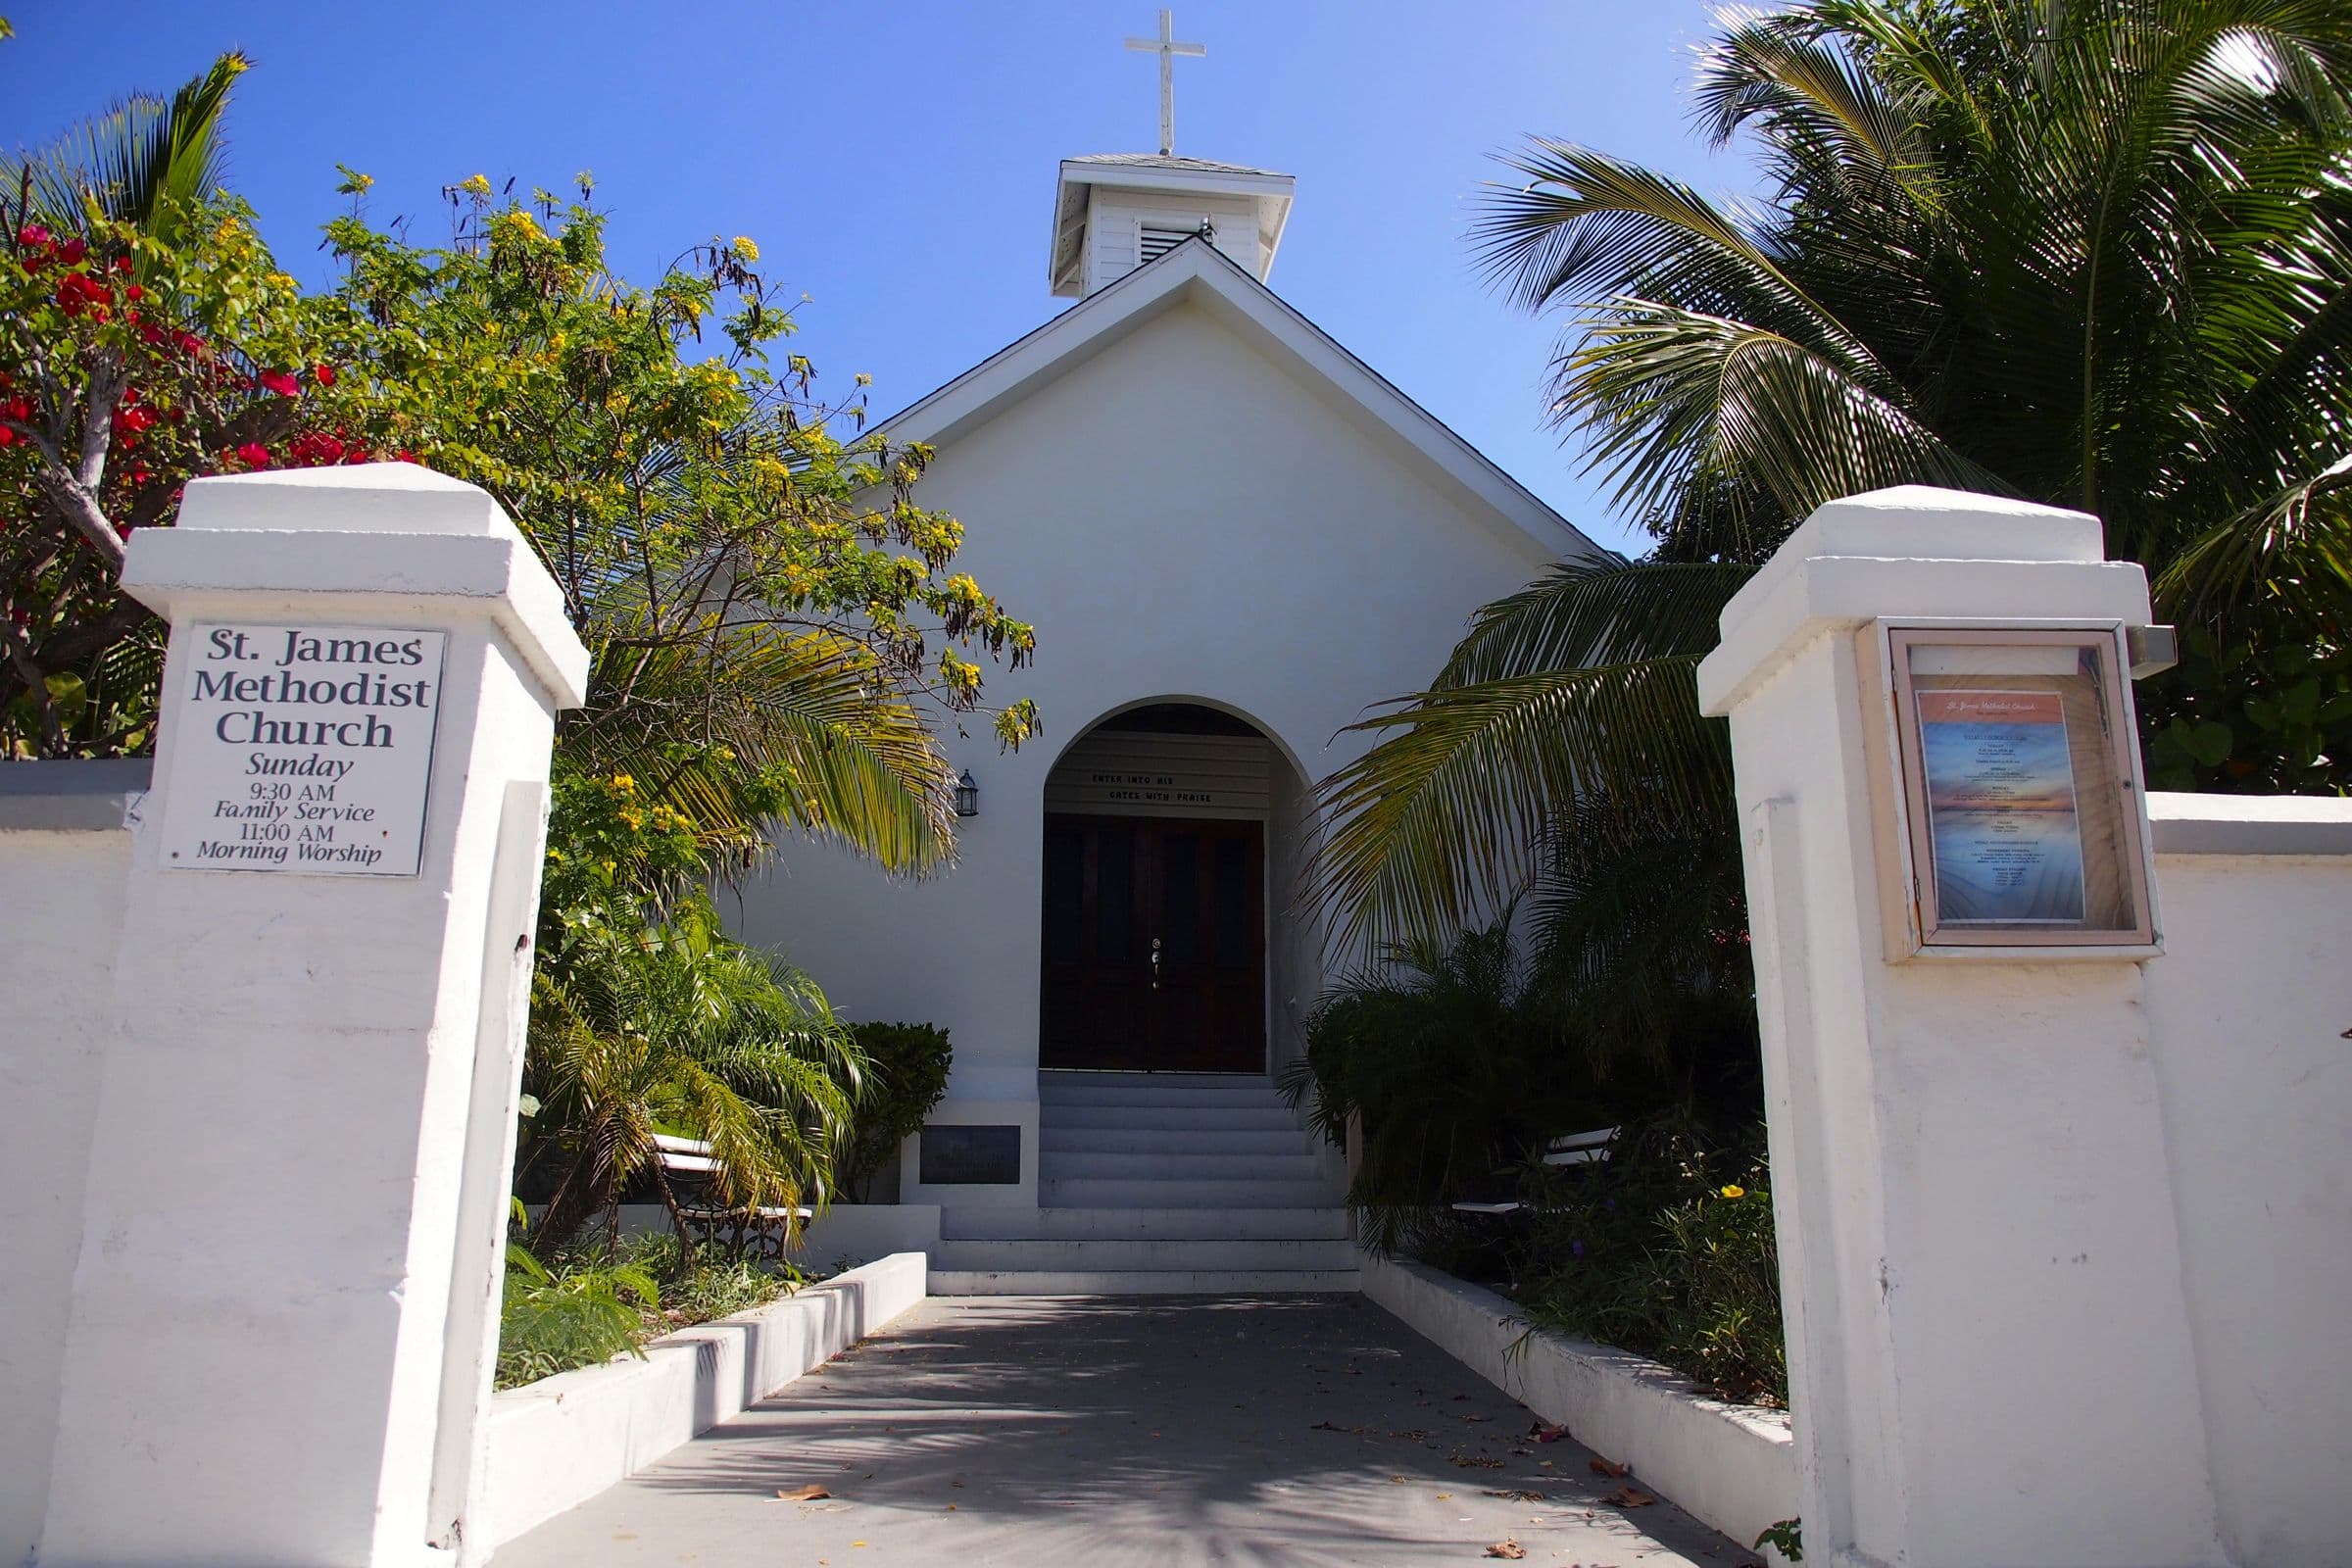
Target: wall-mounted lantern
x: 967, y: 796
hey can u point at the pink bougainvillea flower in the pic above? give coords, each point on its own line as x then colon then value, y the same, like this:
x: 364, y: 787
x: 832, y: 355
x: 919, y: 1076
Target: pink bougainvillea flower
x: 33, y: 234
x: 281, y: 383
x: 73, y: 251
x: 254, y: 455
x: 324, y: 375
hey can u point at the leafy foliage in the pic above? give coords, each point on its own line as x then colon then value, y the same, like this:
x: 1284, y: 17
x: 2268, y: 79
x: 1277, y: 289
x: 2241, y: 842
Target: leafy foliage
x: 1450, y: 1073
x: 1580, y: 685
x: 2095, y: 255
x: 907, y: 1074
x: 645, y: 1019
x: 585, y: 1307
x: 1666, y: 1249
x: 146, y: 338
x: 772, y: 616
x: 577, y: 1314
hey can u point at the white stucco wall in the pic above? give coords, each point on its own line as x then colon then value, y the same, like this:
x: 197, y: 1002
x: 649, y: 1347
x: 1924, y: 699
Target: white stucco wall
x: 2063, y: 1235
x: 1184, y: 518
x: 61, y: 911
x: 2247, y: 1011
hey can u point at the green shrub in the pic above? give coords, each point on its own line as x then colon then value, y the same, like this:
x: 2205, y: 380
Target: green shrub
x: 1665, y: 1251
x: 1452, y: 1071
x: 907, y: 1074
x: 585, y: 1306
x: 574, y: 1314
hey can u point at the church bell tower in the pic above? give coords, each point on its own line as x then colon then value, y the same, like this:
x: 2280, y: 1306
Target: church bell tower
x: 1115, y: 211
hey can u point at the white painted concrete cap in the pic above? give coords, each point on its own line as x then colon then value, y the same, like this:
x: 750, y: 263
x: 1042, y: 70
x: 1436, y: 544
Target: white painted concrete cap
x: 2250, y: 824
x: 1923, y: 522
x: 355, y: 498
x: 366, y: 537
x: 1917, y: 551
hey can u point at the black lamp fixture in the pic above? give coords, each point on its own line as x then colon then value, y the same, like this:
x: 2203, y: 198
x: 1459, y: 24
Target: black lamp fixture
x: 967, y: 796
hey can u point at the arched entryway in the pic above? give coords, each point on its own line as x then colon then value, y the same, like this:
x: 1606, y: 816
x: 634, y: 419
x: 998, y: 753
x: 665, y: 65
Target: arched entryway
x: 1169, y: 827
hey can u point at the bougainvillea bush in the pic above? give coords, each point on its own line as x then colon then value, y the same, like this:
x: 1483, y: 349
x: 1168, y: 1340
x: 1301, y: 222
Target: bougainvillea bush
x: 133, y: 356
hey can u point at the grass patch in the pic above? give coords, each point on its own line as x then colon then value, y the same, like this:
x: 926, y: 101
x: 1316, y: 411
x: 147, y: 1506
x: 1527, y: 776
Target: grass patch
x: 585, y: 1306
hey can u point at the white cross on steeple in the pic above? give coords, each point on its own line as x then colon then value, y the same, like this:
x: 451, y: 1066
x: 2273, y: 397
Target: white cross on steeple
x: 1167, y: 48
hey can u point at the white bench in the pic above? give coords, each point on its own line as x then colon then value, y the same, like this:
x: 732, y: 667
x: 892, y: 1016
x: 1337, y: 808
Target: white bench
x: 1569, y: 1149
x: 761, y: 1234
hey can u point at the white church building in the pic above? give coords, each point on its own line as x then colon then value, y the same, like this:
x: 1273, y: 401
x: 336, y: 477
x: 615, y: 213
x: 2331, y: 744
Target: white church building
x: 1233, y: 538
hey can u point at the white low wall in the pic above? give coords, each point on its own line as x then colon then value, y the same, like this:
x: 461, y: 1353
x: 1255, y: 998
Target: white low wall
x: 557, y: 1443
x: 65, y: 855
x: 2247, y: 1011
x: 1731, y: 1466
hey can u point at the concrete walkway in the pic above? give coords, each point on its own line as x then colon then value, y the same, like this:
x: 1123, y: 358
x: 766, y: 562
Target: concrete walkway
x: 1117, y: 1431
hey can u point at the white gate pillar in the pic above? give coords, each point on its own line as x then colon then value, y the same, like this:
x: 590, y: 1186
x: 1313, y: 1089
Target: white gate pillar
x: 279, y: 1348
x: 1988, y: 1342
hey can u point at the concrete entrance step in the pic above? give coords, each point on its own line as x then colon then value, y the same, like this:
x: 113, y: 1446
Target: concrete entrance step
x: 1138, y: 1224
x: 1207, y: 1282
x: 1113, y: 1255
x: 1242, y: 1117
x: 1095, y: 1193
x: 1165, y: 1167
x: 1055, y: 1139
x: 1159, y: 1092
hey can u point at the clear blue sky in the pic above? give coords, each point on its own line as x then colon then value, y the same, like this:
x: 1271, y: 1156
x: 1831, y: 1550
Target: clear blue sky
x: 895, y: 162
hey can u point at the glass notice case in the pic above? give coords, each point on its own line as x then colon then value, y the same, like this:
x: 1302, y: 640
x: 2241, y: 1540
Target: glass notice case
x: 2016, y: 761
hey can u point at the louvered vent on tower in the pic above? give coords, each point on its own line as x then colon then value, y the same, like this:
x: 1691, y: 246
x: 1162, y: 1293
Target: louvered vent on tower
x: 1155, y: 240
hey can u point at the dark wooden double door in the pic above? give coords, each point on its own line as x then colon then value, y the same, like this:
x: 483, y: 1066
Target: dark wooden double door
x: 1154, y: 945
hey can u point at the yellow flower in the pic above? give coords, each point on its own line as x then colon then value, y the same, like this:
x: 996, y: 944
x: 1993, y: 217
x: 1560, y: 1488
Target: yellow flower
x: 476, y: 184
x: 1735, y: 1192
x: 746, y: 249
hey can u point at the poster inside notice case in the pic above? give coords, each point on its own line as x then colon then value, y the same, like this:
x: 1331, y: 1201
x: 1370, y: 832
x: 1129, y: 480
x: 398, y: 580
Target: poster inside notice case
x: 2004, y: 827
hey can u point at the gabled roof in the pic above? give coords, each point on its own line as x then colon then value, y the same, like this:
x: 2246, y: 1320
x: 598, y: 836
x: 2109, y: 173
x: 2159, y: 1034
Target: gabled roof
x: 1195, y: 273
x: 1190, y: 166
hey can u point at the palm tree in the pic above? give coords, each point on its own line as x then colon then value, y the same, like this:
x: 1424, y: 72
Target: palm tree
x: 148, y: 166
x: 146, y: 162
x: 2098, y: 255
x: 641, y: 1027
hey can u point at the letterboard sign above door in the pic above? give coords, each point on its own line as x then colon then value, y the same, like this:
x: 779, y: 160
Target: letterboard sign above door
x: 1131, y: 773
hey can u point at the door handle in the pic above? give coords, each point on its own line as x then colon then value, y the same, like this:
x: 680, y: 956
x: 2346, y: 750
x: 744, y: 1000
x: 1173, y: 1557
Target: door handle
x: 1155, y: 963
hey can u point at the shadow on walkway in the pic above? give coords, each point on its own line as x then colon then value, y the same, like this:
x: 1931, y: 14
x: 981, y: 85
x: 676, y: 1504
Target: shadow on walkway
x: 1115, y: 1431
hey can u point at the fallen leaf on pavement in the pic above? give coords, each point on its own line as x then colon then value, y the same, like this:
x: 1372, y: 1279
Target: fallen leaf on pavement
x: 1517, y: 1496
x: 1508, y: 1549
x: 807, y: 1493
x: 1475, y: 1461
x: 1542, y: 1432
x: 1603, y: 1467
x: 1631, y: 1498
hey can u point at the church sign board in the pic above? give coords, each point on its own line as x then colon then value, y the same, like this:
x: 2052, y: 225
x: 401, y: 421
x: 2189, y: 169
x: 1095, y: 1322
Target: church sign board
x: 303, y: 749
x: 2013, y: 772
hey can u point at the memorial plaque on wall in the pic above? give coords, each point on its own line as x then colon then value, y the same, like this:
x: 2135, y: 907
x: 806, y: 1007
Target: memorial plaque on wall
x: 2022, y: 806
x: 955, y: 1154
x: 303, y: 749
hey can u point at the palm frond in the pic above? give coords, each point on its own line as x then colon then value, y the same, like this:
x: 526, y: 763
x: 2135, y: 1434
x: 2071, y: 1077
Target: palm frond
x: 1582, y: 686
x: 145, y: 161
x: 747, y: 722
x: 2294, y: 548
x: 1675, y: 394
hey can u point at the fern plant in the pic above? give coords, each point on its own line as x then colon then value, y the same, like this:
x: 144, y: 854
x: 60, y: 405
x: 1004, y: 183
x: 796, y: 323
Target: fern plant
x: 551, y: 1320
